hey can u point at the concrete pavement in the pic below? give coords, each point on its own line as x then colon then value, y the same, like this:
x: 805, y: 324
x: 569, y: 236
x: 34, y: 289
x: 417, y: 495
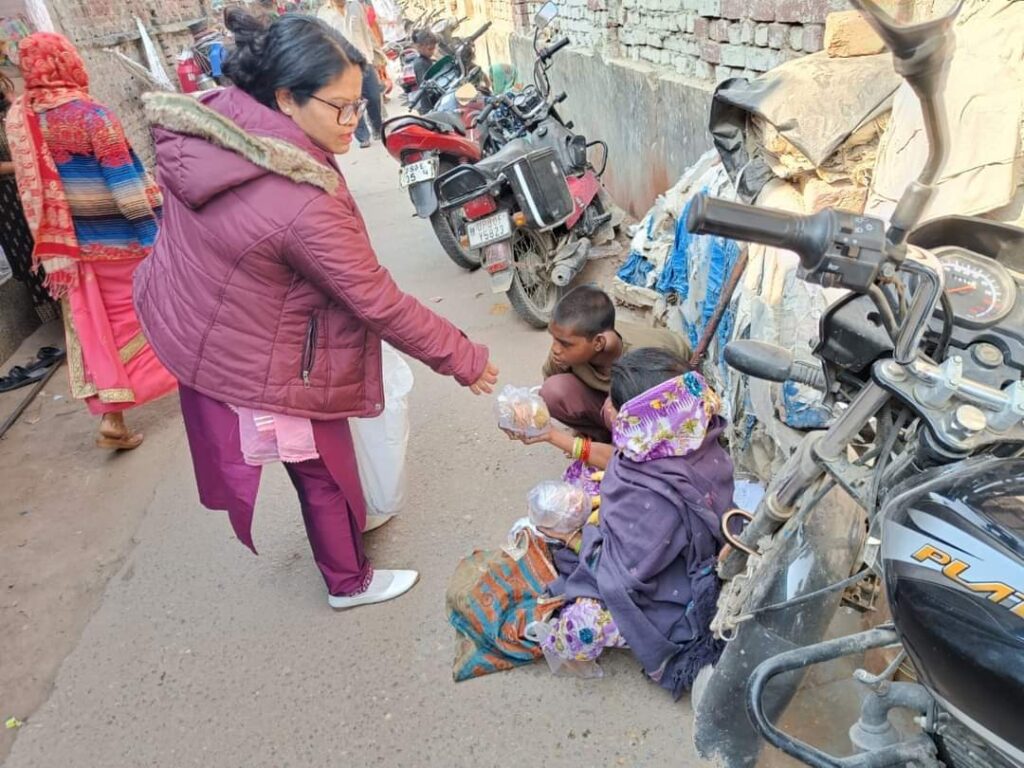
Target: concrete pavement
x: 201, y: 654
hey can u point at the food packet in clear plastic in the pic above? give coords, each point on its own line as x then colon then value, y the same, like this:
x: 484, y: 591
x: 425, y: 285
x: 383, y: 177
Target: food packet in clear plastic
x: 558, y: 506
x: 522, y: 411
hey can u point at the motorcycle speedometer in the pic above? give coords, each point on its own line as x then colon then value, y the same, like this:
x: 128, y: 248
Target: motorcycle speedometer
x: 979, y: 289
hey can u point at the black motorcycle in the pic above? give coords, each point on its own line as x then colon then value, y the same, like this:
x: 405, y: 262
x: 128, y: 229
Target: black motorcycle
x: 448, y: 74
x: 534, y: 205
x: 922, y: 366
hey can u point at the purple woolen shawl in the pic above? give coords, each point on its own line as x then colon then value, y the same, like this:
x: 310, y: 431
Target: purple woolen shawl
x: 651, y: 559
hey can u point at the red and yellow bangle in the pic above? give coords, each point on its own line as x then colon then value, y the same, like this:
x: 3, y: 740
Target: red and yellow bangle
x: 581, y: 449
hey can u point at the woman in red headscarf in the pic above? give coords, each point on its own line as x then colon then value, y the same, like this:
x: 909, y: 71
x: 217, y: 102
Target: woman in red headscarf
x: 94, y: 213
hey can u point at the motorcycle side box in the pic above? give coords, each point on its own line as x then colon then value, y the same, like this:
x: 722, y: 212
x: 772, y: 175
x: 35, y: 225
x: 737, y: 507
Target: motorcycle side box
x: 953, y: 557
x: 540, y: 188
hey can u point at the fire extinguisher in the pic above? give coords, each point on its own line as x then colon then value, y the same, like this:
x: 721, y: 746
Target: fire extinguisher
x: 189, y: 72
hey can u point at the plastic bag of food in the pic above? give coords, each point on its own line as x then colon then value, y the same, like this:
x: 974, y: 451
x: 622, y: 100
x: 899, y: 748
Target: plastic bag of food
x: 523, y: 411
x: 558, y: 506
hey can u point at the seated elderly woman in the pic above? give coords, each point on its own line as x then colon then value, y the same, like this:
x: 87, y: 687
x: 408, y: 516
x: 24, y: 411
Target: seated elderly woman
x: 643, y: 576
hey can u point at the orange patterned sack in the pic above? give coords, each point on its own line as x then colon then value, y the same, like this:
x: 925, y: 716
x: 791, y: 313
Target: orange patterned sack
x: 493, y: 596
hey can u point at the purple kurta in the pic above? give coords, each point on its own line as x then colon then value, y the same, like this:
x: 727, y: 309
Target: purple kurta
x: 329, y: 489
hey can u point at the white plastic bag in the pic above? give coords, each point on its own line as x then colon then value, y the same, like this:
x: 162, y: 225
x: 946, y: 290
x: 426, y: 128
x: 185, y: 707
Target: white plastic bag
x: 381, y: 442
x: 523, y: 411
x: 558, y: 506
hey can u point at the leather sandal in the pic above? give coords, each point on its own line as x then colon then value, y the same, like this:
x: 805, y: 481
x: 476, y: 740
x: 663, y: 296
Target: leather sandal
x: 119, y: 440
x: 20, y: 376
x: 47, y: 356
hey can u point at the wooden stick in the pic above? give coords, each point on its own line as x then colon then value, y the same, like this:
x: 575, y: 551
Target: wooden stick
x: 723, y: 304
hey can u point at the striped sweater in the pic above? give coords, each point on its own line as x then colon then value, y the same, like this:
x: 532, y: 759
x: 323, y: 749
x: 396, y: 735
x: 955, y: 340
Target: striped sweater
x: 114, y: 202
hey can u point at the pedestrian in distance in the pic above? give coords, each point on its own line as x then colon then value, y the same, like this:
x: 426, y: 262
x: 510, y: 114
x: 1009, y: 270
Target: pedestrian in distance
x: 264, y: 295
x: 93, y: 212
x: 425, y: 43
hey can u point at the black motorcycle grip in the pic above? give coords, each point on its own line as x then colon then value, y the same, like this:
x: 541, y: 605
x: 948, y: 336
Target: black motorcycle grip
x: 480, y: 31
x: 484, y: 113
x: 554, y: 48
x: 808, y: 236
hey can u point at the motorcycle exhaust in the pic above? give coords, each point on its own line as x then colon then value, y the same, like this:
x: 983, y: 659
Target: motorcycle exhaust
x: 569, y: 262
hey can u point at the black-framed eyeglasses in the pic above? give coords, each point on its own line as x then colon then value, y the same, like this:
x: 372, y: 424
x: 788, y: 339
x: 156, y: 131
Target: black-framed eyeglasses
x: 348, y: 112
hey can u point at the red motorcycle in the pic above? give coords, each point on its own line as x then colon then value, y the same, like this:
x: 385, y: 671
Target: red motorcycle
x: 434, y: 143
x: 428, y: 146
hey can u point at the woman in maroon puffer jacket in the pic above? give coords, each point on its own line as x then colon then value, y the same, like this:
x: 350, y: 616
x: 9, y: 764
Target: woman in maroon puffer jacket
x: 263, y: 295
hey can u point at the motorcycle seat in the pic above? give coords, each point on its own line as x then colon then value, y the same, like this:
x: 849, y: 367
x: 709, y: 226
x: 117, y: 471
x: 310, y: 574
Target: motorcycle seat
x: 493, y: 165
x: 448, y: 118
x: 442, y: 122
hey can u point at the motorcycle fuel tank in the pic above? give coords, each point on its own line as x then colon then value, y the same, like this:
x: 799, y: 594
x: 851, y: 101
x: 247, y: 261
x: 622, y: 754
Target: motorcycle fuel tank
x: 953, y: 558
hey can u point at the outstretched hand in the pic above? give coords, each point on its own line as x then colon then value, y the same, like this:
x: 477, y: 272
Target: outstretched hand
x: 485, y: 384
x: 522, y: 438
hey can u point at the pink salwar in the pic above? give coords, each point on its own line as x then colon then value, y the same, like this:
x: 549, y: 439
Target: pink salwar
x: 111, y: 365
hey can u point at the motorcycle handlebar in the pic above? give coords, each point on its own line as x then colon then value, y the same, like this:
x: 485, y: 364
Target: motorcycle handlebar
x: 486, y: 112
x: 810, y: 237
x: 414, y: 102
x: 554, y: 48
x: 476, y: 35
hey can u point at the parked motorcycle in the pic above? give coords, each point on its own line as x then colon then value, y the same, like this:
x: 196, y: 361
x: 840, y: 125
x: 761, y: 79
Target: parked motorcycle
x: 532, y: 209
x: 922, y: 366
x: 448, y: 74
x: 430, y: 144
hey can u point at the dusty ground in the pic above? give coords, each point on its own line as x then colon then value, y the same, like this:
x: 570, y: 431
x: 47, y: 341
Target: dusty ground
x: 180, y: 648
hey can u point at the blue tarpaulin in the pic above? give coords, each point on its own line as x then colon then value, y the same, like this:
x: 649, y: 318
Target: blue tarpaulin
x: 717, y: 253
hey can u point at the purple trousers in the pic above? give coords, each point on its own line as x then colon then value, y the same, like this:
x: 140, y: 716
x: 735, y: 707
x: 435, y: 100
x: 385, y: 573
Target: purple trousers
x: 576, y: 405
x: 330, y: 494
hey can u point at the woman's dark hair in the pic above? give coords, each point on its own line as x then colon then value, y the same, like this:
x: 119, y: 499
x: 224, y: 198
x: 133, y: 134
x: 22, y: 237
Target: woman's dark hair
x: 642, y: 369
x: 298, y: 53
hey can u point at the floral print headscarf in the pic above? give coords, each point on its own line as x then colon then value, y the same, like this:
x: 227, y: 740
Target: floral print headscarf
x: 672, y: 419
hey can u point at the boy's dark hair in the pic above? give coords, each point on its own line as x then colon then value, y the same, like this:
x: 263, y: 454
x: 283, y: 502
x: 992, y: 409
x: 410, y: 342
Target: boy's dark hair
x: 424, y: 37
x: 642, y: 369
x: 587, y: 310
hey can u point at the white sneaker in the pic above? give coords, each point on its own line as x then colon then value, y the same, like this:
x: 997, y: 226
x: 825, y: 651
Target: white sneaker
x: 373, y: 522
x: 385, y: 585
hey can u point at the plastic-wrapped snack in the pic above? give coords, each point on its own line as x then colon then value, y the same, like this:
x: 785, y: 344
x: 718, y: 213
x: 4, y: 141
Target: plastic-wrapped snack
x: 523, y: 411
x: 558, y: 506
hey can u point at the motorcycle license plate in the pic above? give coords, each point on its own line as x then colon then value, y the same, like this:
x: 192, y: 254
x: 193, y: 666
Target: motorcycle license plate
x: 416, y: 173
x: 489, y: 230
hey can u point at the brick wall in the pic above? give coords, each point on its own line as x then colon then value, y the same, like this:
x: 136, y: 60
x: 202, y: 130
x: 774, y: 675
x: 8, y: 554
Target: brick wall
x: 709, y: 40
x: 98, y: 27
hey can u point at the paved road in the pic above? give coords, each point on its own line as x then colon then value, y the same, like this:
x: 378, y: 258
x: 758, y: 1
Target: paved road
x: 202, y: 655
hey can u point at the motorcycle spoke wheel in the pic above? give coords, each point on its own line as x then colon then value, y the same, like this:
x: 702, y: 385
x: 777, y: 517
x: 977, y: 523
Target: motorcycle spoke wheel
x: 532, y: 294
x: 449, y: 229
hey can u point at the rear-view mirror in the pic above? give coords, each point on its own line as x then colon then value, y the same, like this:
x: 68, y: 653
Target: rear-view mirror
x: 547, y: 13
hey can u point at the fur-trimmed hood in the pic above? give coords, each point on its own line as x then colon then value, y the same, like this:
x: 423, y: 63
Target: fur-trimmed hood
x: 208, y: 146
